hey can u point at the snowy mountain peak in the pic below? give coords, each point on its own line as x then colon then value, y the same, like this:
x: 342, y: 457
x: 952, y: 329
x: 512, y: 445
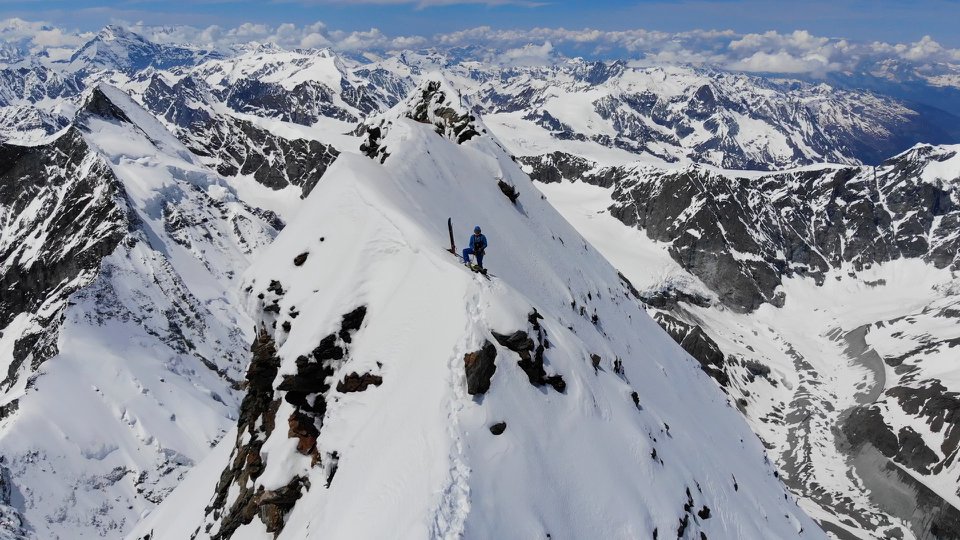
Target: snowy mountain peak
x: 115, y: 48
x: 115, y: 32
x: 435, y: 102
x: 389, y: 380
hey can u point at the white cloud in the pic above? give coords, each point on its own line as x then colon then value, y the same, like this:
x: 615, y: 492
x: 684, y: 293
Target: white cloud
x: 528, y: 55
x: 32, y: 38
x: 782, y: 62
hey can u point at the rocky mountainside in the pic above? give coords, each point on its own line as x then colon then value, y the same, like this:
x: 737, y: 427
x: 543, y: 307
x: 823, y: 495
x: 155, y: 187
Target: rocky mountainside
x: 117, y: 49
x: 594, y: 109
x: 742, y: 235
x: 123, y: 343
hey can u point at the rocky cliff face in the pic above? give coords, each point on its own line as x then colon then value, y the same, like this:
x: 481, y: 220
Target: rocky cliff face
x: 742, y: 235
x: 233, y: 146
x: 63, y: 212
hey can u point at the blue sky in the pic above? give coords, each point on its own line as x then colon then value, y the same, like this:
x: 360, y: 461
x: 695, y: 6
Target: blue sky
x: 861, y: 20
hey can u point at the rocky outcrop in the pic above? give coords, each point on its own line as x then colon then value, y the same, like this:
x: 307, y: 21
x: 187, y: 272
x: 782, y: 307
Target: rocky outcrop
x: 558, y: 166
x: 435, y: 106
x: 358, y: 383
x: 307, y: 391
x: 742, y: 236
x: 479, y: 366
x: 532, y: 353
x: 257, y: 421
x: 305, y: 103
x: 698, y: 344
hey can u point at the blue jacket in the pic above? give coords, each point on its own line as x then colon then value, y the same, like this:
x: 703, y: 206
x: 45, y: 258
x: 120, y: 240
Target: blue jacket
x: 482, y: 241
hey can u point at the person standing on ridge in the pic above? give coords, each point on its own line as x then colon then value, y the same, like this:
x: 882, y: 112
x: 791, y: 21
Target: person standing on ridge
x: 477, y: 245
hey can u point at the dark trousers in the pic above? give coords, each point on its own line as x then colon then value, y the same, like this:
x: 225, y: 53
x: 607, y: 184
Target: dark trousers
x: 468, y: 252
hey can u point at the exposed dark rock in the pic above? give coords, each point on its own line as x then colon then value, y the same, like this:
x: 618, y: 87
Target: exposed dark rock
x: 518, y: 342
x: 682, y: 527
x: 275, y: 287
x: 479, y: 367
x: 307, y: 391
x: 100, y: 106
x: 328, y: 349
x: 913, y: 452
x: 257, y: 409
x: 531, y: 353
x: 435, y: 107
x: 940, y: 408
x: 557, y: 382
x: 698, y: 344
x: 351, y: 323
x: 498, y: 428
x: 756, y: 368
x: 670, y: 297
x: 371, y: 147
x: 358, y: 383
x: 761, y: 217
x: 595, y: 361
x: 509, y: 191
x: 303, y: 428
x: 305, y: 103
x: 626, y: 283
x: 274, y: 505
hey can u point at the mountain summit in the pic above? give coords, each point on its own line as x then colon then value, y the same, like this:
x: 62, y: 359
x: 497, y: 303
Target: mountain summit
x: 394, y: 393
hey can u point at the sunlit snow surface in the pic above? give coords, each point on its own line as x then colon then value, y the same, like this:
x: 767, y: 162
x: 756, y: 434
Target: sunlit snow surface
x: 417, y: 459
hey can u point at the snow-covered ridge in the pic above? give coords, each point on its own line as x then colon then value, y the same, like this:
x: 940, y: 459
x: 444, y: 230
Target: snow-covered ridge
x: 390, y: 381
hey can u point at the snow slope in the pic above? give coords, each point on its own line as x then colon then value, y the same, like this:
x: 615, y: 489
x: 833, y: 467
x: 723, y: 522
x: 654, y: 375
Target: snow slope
x: 634, y: 441
x: 851, y: 381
